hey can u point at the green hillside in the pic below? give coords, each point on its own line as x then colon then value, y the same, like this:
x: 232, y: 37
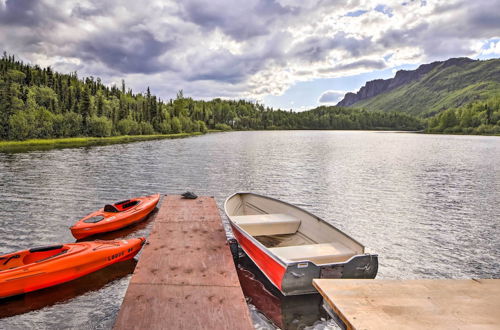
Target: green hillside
x: 440, y: 89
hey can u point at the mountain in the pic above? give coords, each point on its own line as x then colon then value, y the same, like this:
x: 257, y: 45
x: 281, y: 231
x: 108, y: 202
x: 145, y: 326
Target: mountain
x: 431, y: 88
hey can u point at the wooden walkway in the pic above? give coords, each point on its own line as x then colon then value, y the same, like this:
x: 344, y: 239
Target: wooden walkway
x: 185, y: 278
x: 414, y: 304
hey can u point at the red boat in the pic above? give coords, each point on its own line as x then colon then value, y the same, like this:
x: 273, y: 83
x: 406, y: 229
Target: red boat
x: 292, y: 246
x: 38, y: 268
x: 115, y: 216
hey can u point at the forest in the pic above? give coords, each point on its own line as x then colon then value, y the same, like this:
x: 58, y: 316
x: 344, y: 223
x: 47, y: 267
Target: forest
x: 38, y: 102
x: 479, y: 117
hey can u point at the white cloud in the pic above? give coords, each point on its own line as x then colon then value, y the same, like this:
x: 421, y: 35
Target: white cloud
x: 492, y: 48
x: 241, y: 49
x: 331, y: 96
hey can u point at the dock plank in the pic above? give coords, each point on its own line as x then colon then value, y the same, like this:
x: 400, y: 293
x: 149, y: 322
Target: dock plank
x: 185, y: 277
x: 414, y: 304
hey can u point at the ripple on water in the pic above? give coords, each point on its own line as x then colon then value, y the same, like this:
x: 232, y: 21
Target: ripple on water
x: 427, y: 204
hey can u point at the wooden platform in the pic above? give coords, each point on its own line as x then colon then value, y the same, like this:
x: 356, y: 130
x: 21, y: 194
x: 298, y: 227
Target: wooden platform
x: 414, y: 304
x: 185, y: 278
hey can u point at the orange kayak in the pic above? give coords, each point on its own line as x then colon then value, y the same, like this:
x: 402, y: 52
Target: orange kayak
x: 38, y: 268
x: 115, y: 216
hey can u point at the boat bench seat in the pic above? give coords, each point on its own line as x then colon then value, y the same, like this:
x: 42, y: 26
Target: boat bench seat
x: 267, y: 224
x: 323, y: 253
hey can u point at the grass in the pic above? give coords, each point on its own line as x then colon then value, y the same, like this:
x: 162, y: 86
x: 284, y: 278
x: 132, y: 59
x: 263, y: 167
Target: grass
x: 46, y: 144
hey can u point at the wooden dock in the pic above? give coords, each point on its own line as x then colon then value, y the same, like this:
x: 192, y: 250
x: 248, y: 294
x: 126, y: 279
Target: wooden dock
x: 413, y: 304
x: 185, y: 278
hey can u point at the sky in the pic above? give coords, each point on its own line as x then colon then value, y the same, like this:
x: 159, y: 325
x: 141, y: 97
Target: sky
x: 288, y: 54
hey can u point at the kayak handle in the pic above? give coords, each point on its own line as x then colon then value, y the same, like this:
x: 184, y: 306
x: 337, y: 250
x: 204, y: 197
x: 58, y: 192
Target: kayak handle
x: 16, y: 256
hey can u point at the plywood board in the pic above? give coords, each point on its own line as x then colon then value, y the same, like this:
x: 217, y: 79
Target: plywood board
x: 414, y: 304
x: 183, y: 307
x: 185, y: 278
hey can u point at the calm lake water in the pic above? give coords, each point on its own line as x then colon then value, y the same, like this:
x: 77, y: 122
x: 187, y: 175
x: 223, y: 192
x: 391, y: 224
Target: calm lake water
x: 427, y: 204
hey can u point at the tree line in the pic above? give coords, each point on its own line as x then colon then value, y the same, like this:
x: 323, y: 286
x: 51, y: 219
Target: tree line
x: 38, y: 102
x: 480, y: 117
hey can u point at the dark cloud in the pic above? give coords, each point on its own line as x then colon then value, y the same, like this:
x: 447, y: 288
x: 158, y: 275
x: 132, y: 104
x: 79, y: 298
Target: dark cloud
x: 21, y: 13
x: 270, y: 43
x: 225, y: 66
x: 84, y: 12
x: 240, y: 20
x: 484, y: 18
x: 361, y: 64
x: 398, y: 37
x: 317, y: 48
x: 331, y: 96
x: 126, y: 51
x: 464, y: 20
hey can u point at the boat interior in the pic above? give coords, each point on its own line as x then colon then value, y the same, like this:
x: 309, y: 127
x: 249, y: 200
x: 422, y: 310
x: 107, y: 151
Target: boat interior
x: 121, y: 206
x: 22, y: 258
x: 289, y: 232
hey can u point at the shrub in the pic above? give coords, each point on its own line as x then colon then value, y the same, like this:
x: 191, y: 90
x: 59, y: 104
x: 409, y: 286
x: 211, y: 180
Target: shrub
x: 19, y: 126
x: 128, y: 127
x: 146, y: 128
x: 43, y: 126
x: 176, y: 125
x: 202, y: 127
x: 222, y: 127
x: 73, y: 124
x: 99, y: 126
x: 187, y: 124
x: 165, y: 127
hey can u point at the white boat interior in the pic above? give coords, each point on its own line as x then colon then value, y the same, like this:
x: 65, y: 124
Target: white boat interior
x: 289, y: 232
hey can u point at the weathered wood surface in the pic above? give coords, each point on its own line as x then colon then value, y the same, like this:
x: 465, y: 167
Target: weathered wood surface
x: 414, y: 304
x: 185, y: 278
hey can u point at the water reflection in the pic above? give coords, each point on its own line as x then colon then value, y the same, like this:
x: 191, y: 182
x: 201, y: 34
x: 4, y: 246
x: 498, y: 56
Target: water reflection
x: 285, y: 312
x: 427, y: 204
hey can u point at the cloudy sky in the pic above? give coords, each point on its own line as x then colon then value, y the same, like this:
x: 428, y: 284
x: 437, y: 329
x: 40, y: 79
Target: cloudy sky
x: 291, y: 54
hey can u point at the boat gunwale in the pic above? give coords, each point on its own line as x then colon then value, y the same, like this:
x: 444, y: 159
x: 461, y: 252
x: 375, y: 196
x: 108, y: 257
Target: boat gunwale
x: 292, y: 263
x: 292, y: 205
x: 275, y: 257
x: 282, y: 262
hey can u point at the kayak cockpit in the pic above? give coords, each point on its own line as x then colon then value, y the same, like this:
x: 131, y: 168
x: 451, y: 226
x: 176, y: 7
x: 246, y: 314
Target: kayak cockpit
x: 27, y: 257
x: 121, y: 206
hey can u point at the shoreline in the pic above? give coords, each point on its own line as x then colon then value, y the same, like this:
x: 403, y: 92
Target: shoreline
x: 77, y: 142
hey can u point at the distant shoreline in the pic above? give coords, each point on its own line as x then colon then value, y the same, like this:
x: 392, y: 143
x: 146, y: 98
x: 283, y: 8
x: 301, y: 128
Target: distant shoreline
x: 76, y: 142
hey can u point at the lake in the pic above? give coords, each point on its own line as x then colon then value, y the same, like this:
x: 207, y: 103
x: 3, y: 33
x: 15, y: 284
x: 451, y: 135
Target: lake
x: 427, y: 204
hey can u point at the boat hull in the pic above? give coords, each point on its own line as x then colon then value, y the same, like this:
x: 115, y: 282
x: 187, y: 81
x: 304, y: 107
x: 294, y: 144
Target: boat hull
x: 252, y: 215
x: 296, y: 278
x: 115, y: 221
x: 79, y: 259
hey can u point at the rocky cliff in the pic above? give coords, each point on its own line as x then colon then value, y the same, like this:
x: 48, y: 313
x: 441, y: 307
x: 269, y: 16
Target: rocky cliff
x: 402, y: 77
